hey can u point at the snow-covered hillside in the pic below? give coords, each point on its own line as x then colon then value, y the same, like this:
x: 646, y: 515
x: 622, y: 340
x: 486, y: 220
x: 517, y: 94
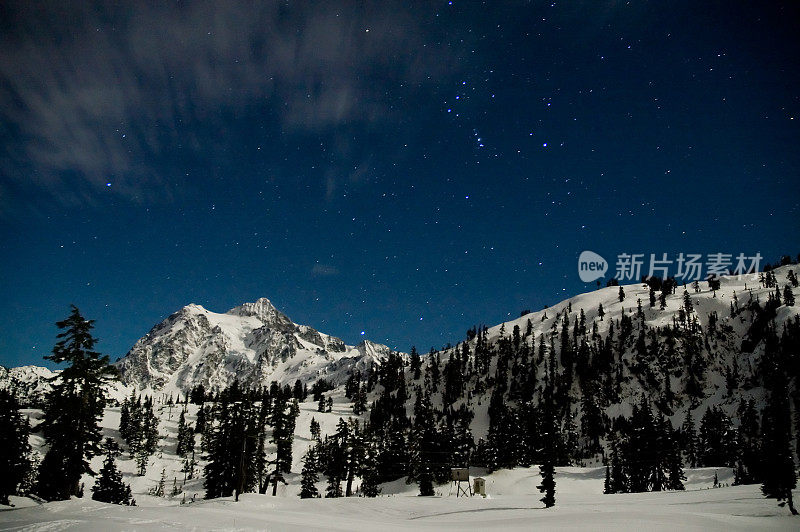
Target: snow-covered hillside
x: 512, y: 500
x: 721, y: 321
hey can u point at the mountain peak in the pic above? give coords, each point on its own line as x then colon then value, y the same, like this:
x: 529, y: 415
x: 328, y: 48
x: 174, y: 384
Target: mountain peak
x: 193, y: 308
x: 264, y: 310
x: 370, y: 348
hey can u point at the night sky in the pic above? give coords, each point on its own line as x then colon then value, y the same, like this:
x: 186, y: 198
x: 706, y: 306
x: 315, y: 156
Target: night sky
x: 401, y: 169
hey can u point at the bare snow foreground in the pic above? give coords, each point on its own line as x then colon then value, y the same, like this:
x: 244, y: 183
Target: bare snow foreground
x: 729, y: 508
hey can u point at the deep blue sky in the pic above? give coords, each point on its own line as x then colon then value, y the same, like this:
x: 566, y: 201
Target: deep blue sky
x: 405, y: 171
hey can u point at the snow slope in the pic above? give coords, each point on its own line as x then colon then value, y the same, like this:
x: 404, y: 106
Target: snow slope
x: 729, y: 509
x: 512, y: 502
x: 720, y: 349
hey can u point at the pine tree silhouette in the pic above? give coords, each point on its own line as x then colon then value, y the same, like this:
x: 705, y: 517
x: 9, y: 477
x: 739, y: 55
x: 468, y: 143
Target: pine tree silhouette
x: 14, y: 462
x: 73, y: 409
x: 109, y: 486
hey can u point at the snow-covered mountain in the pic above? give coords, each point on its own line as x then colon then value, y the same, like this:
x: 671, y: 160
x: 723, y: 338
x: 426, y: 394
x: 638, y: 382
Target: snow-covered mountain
x: 28, y: 383
x: 254, y: 343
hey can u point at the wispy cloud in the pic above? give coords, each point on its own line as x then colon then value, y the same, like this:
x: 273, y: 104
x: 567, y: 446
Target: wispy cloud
x: 92, y: 93
x: 324, y: 270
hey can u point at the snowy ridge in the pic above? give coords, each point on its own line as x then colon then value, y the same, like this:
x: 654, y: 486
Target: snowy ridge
x: 705, y: 302
x: 725, y: 348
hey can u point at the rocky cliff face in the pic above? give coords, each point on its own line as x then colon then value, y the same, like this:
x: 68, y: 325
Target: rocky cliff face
x: 254, y: 343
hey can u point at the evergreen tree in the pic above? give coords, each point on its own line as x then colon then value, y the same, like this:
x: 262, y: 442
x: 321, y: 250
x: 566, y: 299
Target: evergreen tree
x: 109, y: 486
x: 354, y: 454
x: 189, y: 463
x: 416, y: 363
x: 198, y: 394
x: 547, y: 469
x: 73, y: 409
x: 779, y: 474
x: 370, y: 476
x: 673, y: 459
x: 641, y: 446
x: 142, y: 458
x: 334, y: 488
x: 308, y: 476
x: 125, y: 418
x: 748, y: 456
x: 351, y: 385
x: 185, y: 437
x: 593, y: 421
x: 462, y: 441
x: 335, y: 459
x: 321, y: 404
x: 200, y: 422
x: 689, y: 439
x: 31, y: 479
x: 687, y: 302
x: 788, y: 296
x: 315, y: 429
x: 548, y: 485
x: 297, y: 391
x: 360, y: 400
x: 141, y: 433
x: 158, y: 490
x: 233, y: 446
x: 426, y: 482
x: 149, y: 427
x: 284, y: 417
x: 569, y: 440
x: 423, y: 441
x: 619, y: 478
x: 715, y: 439
x: 621, y: 295
x: 14, y: 458
x: 175, y: 489
x: 648, y: 457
